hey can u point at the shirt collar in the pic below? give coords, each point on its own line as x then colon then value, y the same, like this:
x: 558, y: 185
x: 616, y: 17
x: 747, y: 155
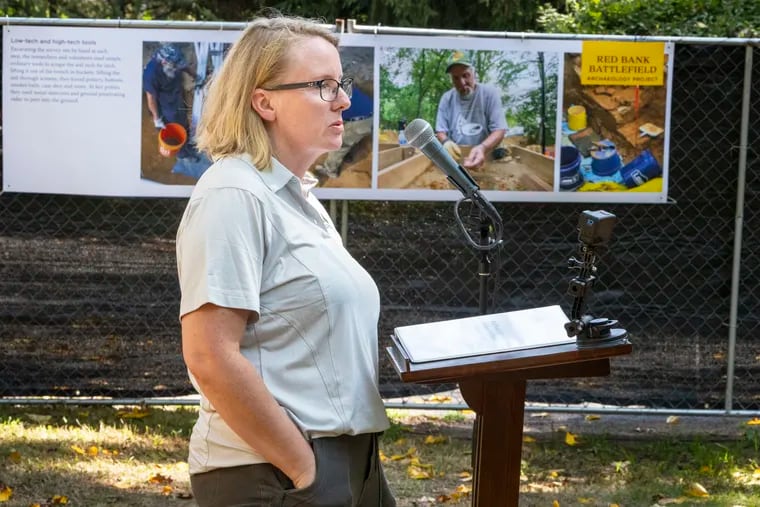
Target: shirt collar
x: 278, y: 176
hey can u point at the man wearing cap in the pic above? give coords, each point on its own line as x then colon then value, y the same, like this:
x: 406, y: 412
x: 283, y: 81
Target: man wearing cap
x: 164, y: 90
x: 469, y: 114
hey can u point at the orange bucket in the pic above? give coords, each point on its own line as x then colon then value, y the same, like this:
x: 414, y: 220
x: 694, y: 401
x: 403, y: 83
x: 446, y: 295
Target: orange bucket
x: 171, y: 138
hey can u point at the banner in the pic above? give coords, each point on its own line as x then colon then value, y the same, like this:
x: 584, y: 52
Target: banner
x: 113, y: 111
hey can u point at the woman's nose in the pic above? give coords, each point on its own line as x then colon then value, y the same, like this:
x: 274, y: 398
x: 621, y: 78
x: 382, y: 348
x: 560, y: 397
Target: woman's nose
x: 342, y: 101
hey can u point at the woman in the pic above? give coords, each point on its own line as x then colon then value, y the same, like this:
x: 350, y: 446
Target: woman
x: 279, y: 322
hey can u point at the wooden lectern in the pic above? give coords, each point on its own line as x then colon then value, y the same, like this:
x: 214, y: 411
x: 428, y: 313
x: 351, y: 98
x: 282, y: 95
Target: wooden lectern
x: 493, y: 383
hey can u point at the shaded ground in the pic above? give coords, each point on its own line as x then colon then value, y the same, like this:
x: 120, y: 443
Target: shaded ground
x: 96, y: 316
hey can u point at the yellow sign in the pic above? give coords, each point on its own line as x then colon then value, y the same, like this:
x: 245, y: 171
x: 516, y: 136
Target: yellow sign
x: 623, y: 63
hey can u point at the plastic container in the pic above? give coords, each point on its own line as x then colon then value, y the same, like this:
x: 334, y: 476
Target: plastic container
x: 640, y: 170
x: 576, y: 117
x: 171, y: 139
x: 605, y: 160
x: 570, y: 176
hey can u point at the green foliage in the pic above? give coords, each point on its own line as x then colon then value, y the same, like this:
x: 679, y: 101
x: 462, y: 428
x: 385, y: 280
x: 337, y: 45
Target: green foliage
x: 539, y: 123
x: 413, y: 80
x: 497, y: 15
x: 700, y: 18
x: 411, y: 83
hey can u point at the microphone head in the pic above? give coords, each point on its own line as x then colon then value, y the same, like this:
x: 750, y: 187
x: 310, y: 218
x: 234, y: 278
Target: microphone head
x: 419, y: 133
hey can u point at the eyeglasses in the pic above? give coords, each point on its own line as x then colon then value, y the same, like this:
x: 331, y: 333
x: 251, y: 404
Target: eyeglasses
x: 328, y: 88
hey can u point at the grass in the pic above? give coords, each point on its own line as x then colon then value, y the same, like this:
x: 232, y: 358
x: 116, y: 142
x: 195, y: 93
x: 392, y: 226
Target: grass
x: 105, y: 456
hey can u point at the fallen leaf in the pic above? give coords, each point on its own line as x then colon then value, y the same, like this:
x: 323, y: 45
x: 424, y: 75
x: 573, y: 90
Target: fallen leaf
x: 441, y: 398
x: 555, y: 503
x: 460, y: 492
x: 417, y: 473
x: 383, y: 457
x: 92, y: 450
x: 437, y: 439
x: 14, y: 457
x: 167, y: 490
x: 584, y: 500
x: 77, y: 449
x: 135, y: 413
x: 528, y: 439
x: 570, y: 439
x: 753, y: 422
x: 467, y: 476
x: 593, y: 417
x: 410, y: 453
x: 415, y: 461
x: 463, y: 488
x: 5, y: 493
x: 672, y: 419
x: 697, y: 490
x: 160, y: 479
x: 59, y: 500
x: 614, y: 505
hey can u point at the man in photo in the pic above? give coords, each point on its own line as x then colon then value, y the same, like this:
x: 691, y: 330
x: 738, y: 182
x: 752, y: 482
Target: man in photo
x: 470, y: 113
x: 164, y: 91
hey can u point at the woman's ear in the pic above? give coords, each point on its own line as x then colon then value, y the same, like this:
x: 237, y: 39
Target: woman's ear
x: 261, y: 103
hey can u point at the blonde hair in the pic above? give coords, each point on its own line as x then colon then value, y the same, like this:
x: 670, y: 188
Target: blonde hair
x: 228, y: 124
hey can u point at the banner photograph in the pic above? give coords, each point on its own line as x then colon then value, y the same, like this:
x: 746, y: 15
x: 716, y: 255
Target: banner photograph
x: 113, y: 111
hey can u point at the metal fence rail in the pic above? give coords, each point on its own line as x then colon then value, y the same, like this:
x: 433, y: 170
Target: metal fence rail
x: 89, y: 296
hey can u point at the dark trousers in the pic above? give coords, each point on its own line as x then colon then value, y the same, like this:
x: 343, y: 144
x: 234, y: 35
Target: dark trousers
x: 349, y: 474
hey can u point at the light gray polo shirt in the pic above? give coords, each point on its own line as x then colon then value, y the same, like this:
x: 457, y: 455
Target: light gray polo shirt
x: 470, y: 121
x: 257, y: 240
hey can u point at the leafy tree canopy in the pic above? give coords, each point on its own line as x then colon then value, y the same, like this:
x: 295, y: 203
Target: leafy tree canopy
x: 699, y: 18
x: 497, y: 15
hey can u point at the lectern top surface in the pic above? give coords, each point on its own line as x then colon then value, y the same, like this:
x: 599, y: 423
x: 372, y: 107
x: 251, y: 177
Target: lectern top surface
x: 484, y: 334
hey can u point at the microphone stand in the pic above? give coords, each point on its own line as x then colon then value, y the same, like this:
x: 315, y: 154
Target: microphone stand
x: 484, y: 271
x: 490, y: 221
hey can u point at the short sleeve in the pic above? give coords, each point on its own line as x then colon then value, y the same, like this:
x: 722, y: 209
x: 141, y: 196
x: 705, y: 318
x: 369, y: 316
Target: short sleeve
x: 220, y: 250
x: 149, y: 78
x: 442, y: 122
x: 495, y: 111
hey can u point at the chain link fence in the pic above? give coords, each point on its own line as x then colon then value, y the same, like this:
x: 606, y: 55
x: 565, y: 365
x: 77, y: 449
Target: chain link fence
x: 89, y: 296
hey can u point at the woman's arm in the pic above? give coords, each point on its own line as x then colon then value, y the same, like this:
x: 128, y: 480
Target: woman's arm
x: 211, y: 347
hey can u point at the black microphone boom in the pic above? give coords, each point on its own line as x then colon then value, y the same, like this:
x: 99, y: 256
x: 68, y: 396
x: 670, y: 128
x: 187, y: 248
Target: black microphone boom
x: 420, y: 134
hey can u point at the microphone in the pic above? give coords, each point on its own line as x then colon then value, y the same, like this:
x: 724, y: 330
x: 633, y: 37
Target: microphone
x: 420, y: 134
